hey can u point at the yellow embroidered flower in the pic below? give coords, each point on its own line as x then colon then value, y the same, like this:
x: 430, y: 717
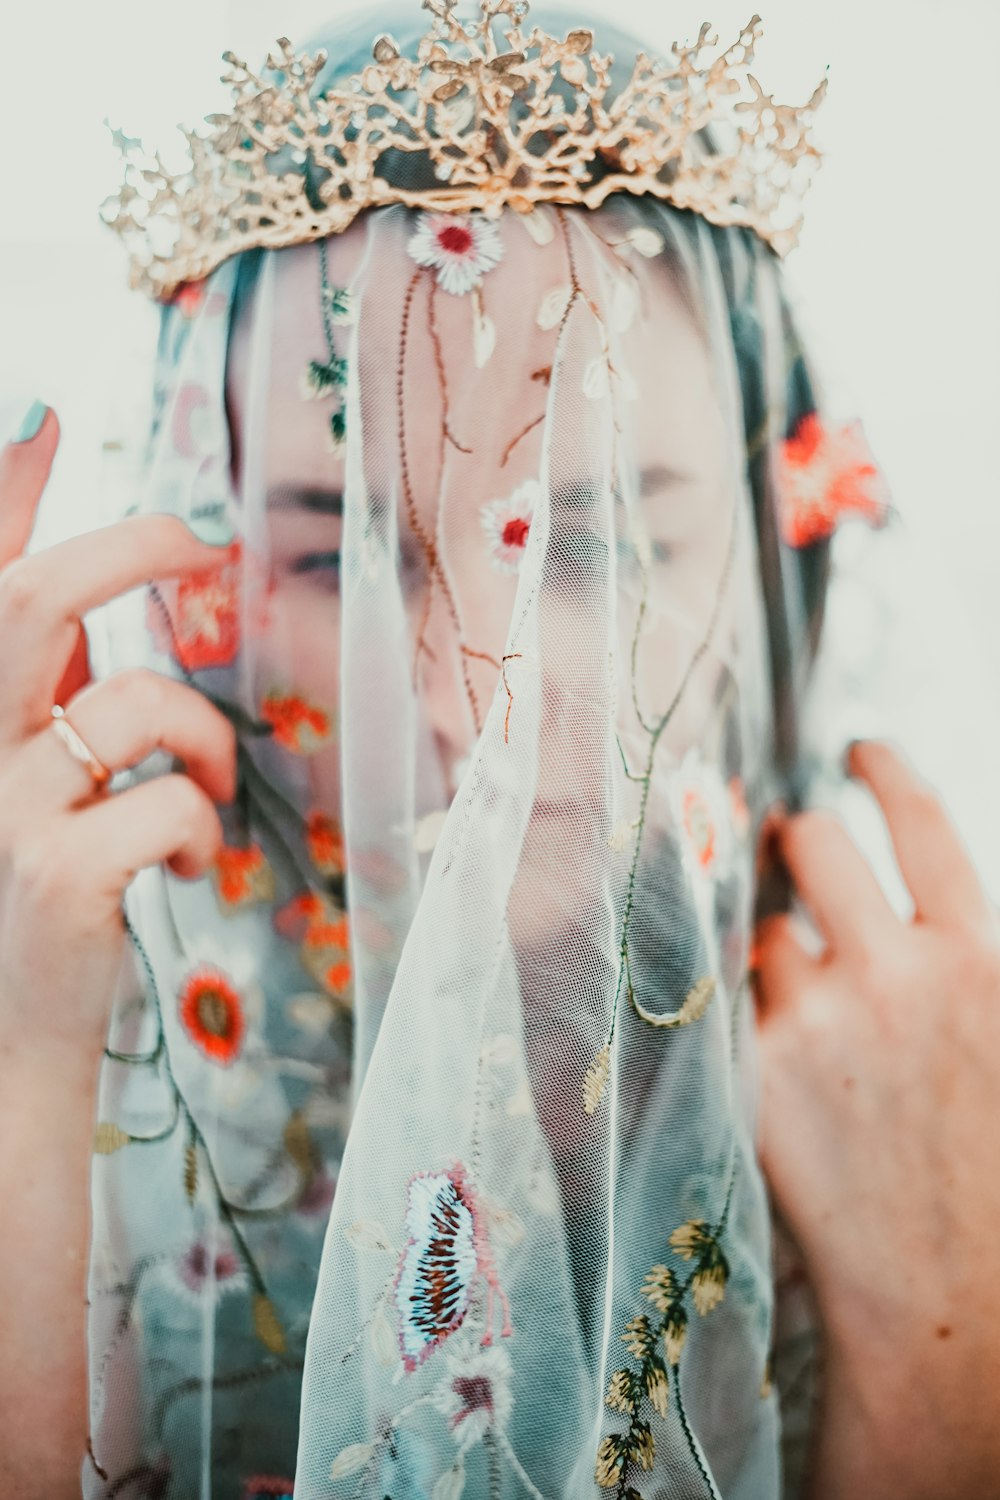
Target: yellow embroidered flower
x: 621, y: 1392
x: 657, y: 1387
x: 638, y: 1337
x: 612, y: 1456
x: 674, y: 1334
x: 660, y: 1288
x: 642, y: 1448
x: 708, y: 1286
x: 691, y: 1239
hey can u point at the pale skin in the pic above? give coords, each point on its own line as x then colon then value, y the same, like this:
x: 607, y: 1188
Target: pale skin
x: 881, y: 1075
x: 66, y: 857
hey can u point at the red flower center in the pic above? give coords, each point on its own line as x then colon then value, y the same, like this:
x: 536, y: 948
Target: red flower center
x: 515, y: 532
x: 475, y: 1393
x: 456, y: 239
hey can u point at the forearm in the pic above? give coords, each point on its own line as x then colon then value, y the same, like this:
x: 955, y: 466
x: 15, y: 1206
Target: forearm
x: 46, y: 1129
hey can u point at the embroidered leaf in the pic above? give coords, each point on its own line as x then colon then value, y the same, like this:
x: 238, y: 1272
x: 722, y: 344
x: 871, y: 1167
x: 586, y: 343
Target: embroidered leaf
x: 648, y: 242
x: 612, y: 1456
x: 621, y: 1395
x: 642, y: 1448
x: 349, y: 1460
x: 484, y: 333
x: 657, y: 1387
x: 708, y: 1285
x: 674, y: 1334
x: 596, y: 1080
x: 338, y: 300
x: 298, y: 1143
x: 538, y: 225
x: 322, y: 379
x: 451, y: 1485
x: 638, y: 1337
x: 109, y: 1138
x: 623, y: 304
x: 596, y: 380
x: 501, y: 1049
x: 660, y: 1288
x: 338, y: 430
x: 190, y: 1171
x: 266, y: 1325
x: 363, y: 1234
x: 553, y: 308
x: 505, y: 1226
x: 383, y: 1339
x: 691, y: 1239
x: 694, y: 1007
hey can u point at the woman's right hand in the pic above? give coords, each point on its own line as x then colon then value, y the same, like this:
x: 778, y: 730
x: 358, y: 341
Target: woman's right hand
x: 67, y: 850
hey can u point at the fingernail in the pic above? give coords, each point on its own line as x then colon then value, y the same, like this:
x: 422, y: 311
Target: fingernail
x: 31, y: 423
x: 849, y: 750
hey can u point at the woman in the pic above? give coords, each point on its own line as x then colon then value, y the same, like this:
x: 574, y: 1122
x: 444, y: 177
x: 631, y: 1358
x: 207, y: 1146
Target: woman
x: 437, y: 1051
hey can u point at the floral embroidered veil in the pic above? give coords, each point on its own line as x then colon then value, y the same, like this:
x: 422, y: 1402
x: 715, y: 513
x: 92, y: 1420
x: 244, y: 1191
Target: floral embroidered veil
x: 425, y: 1158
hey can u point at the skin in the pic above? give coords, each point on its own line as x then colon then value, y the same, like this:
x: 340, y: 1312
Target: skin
x: 880, y: 1070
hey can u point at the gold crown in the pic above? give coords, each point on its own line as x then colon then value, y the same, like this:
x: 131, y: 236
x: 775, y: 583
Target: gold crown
x: 537, y: 121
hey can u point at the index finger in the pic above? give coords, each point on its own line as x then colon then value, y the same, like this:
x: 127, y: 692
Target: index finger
x: 931, y: 856
x: 43, y: 596
x: 24, y: 472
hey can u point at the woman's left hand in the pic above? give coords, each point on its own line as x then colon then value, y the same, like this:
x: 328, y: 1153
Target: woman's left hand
x: 879, y: 1128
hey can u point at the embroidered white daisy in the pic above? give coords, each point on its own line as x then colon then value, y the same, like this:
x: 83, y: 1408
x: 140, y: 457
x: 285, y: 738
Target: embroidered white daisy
x: 460, y: 247
x: 507, y: 524
x: 475, y: 1396
x: 701, y: 806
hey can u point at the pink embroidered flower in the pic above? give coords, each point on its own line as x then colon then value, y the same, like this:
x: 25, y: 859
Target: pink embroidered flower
x: 203, y: 630
x: 210, y: 1261
x: 507, y: 524
x: 476, y: 1396
x: 317, y: 1197
x: 702, y: 809
x: 824, y: 474
x: 461, y: 248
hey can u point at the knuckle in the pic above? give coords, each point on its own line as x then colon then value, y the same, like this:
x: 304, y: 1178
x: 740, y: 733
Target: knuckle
x: 19, y: 589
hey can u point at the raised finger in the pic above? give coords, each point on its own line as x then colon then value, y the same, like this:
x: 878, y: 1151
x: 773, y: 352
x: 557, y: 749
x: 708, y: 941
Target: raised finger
x: 931, y: 857
x: 124, y: 719
x: 836, y: 883
x: 782, y: 968
x: 44, y: 596
x: 24, y: 472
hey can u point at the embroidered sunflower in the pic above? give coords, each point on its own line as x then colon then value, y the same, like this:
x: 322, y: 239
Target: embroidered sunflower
x: 212, y: 1013
x: 460, y: 248
x: 825, y: 473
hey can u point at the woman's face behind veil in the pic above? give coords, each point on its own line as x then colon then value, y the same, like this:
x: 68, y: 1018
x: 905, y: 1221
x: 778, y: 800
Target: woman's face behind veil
x: 464, y: 446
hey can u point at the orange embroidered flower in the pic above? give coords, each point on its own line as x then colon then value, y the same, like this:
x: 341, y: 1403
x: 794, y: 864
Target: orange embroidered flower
x: 326, y: 843
x: 702, y: 809
x: 738, y: 807
x: 323, y: 933
x: 824, y: 474
x: 242, y: 876
x: 188, y: 297
x: 298, y: 725
x: 203, y: 630
x: 211, y: 1011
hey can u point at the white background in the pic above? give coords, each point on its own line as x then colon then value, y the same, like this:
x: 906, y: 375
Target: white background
x: 897, y: 271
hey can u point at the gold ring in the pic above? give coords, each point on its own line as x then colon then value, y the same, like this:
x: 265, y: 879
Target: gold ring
x: 78, y: 748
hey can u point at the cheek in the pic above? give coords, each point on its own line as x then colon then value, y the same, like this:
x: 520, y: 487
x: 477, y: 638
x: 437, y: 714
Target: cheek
x: 300, y: 649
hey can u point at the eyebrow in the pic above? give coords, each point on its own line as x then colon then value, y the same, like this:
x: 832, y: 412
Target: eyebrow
x: 312, y: 498
x: 578, y: 494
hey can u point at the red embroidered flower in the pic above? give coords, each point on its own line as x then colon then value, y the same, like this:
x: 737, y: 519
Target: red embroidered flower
x: 203, y: 629
x: 326, y: 843
x: 507, y: 524
x: 298, y: 725
x: 460, y: 247
x: 188, y: 297
x: 242, y: 876
x: 211, y: 1011
x: 824, y: 474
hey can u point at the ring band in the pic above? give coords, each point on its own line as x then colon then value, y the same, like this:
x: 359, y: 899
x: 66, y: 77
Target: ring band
x: 78, y: 748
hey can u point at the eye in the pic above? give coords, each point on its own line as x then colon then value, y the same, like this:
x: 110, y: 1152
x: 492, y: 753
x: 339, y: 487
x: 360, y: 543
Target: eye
x: 320, y: 569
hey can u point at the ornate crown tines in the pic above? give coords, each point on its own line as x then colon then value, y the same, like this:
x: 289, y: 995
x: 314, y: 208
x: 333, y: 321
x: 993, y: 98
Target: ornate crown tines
x: 536, y: 121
